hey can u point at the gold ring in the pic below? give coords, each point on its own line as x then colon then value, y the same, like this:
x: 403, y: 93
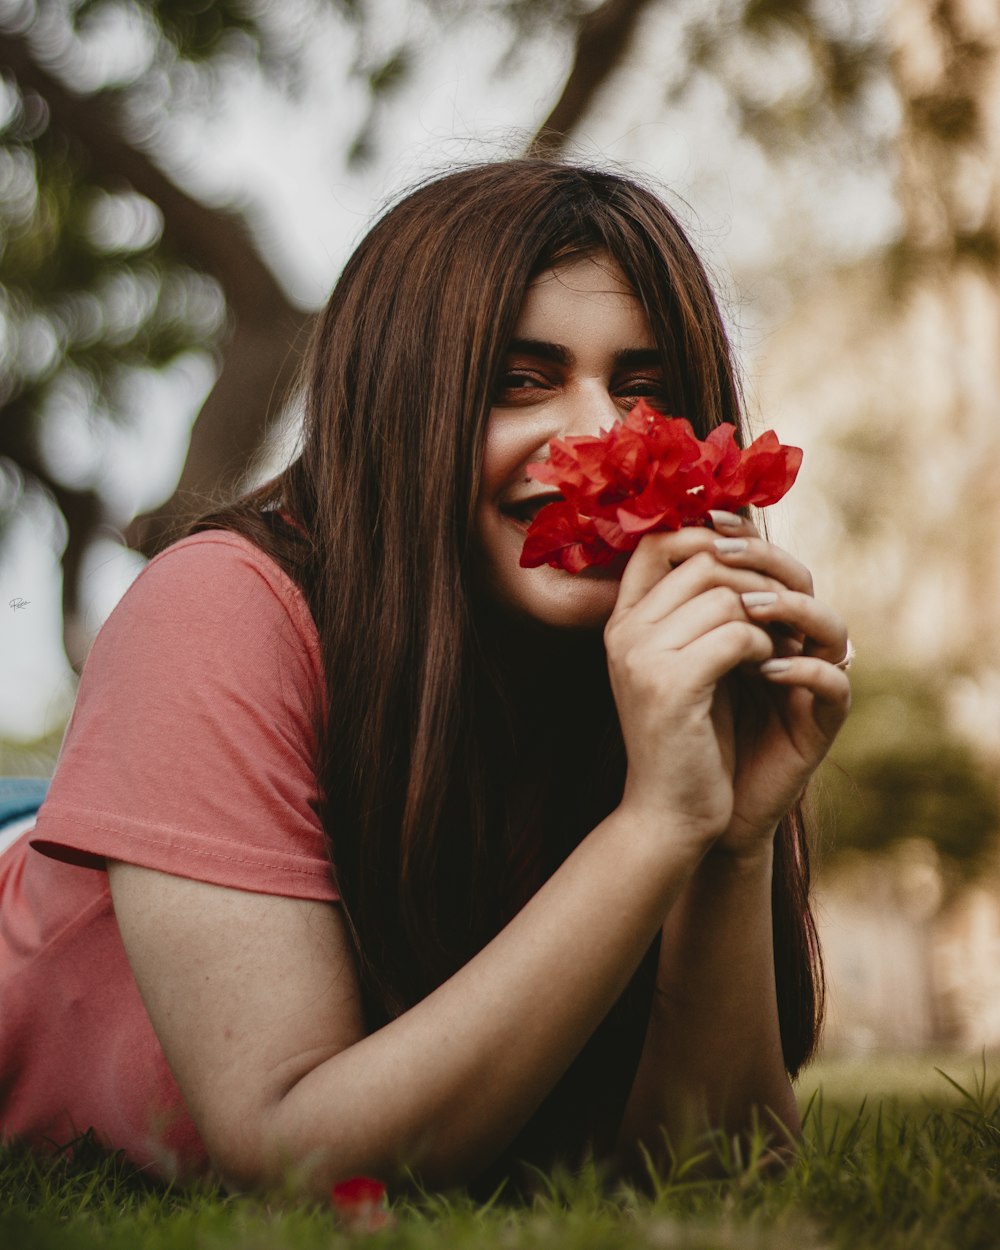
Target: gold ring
x: 849, y: 654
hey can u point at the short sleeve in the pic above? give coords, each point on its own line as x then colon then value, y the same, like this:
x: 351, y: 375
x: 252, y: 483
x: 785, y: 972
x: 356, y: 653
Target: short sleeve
x: 191, y: 748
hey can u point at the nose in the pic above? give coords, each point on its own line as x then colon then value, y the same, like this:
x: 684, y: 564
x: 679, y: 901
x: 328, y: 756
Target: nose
x: 590, y: 409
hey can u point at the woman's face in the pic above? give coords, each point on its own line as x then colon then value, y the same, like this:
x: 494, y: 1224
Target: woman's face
x: 581, y: 356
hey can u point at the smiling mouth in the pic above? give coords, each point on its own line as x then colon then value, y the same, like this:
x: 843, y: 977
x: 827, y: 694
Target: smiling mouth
x: 525, y: 511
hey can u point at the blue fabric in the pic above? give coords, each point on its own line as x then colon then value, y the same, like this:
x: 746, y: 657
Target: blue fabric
x: 20, y: 797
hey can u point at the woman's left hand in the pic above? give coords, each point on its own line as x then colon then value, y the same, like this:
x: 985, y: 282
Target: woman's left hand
x: 786, y: 718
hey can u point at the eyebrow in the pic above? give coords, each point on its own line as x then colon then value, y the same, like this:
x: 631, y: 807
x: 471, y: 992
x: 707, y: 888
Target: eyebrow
x: 625, y: 358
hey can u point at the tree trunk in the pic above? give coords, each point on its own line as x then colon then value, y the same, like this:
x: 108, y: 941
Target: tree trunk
x: 602, y: 41
x: 257, y: 360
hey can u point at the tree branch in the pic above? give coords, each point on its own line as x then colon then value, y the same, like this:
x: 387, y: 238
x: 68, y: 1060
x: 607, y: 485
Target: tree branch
x: 257, y: 371
x: 258, y: 359
x: 602, y: 40
x: 213, y: 240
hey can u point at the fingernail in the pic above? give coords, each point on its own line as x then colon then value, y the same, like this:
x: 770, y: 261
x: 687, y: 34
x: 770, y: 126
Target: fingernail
x: 758, y: 598
x: 775, y: 666
x: 730, y: 546
x: 725, y: 520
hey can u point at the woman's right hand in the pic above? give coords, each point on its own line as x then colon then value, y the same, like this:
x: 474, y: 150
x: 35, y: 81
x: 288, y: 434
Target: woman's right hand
x: 678, y: 627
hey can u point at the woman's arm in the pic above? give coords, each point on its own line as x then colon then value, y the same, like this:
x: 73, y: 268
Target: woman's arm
x: 255, y: 1002
x: 712, y: 1055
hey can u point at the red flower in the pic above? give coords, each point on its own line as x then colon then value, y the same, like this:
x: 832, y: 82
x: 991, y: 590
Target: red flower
x: 574, y: 537
x: 647, y: 474
x: 360, y: 1202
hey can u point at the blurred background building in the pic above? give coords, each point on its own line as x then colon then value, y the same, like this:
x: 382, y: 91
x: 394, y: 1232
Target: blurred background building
x: 180, y: 182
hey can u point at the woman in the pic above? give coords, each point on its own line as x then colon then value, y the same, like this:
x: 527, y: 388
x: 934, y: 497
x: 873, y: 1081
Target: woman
x: 556, y: 912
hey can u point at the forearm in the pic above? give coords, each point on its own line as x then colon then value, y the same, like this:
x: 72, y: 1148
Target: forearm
x: 712, y: 1052
x: 445, y: 1087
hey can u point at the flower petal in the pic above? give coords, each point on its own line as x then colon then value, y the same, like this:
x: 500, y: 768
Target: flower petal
x: 647, y: 474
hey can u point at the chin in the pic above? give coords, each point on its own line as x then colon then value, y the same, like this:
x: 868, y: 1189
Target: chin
x: 544, y: 596
x: 556, y: 599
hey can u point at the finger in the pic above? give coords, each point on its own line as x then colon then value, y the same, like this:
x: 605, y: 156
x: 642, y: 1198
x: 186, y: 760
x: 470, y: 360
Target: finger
x: 829, y: 686
x: 698, y: 667
x: 725, y: 648
x: 691, y: 620
x: 821, y: 629
x: 739, y: 547
x: 732, y: 524
x: 697, y: 575
x: 764, y: 557
x: 658, y: 554
x: 655, y: 556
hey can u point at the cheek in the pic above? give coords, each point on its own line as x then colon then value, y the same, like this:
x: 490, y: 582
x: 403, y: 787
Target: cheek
x: 512, y: 440
x: 497, y: 467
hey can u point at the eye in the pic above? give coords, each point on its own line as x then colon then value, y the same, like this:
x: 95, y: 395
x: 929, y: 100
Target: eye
x: 520, y: 385
x: 517, y: 381
x: 648, y: 387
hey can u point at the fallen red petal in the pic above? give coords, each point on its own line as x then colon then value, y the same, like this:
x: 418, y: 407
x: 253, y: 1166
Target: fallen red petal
x: 355, y: 1192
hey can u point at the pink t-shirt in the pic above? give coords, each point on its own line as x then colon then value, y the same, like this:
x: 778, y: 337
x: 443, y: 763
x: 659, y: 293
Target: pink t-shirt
x: 190, y: 750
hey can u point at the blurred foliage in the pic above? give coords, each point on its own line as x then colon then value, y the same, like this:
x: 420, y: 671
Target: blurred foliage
x: 898, y: 772
x: 947, y: 148
x: 92, y: 282
x: 90, y: 287
x: 195, y: 29
x: 797, y: 72
x: 87, y: 291
x: 36, y: 758
x: 87, y: 285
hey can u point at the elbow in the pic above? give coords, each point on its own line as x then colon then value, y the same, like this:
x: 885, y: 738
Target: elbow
x: 252, y: 1152
x: 267, y: 1167
x: 267, y: 1152
x: 242, y: 1160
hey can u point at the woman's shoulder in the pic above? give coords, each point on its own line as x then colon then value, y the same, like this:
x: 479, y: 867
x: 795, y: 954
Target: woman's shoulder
x: 213, y: 585
x: 217, y: 564
x: 191, y: 746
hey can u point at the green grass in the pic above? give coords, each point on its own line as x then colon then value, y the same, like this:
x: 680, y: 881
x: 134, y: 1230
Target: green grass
x: 893, y: 1155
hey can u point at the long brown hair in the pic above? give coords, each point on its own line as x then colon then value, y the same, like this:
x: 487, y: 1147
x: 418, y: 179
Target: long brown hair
x: 429, y: 722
